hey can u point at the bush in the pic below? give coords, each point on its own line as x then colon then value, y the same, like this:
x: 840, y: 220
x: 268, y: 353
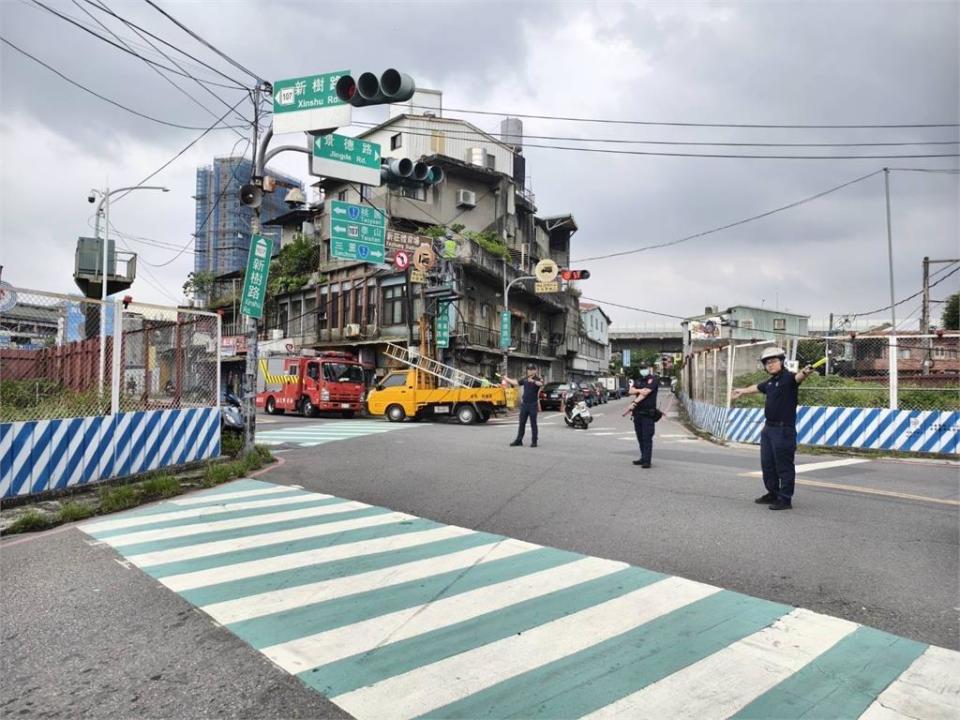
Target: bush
x: 29, y: 522
x: 113, y: 499
x: 73, y: 511
x: 265, y: 453
x: 231, y: 443
x: 219, y: 474
x: 251, y: 461
x: 162, y: 486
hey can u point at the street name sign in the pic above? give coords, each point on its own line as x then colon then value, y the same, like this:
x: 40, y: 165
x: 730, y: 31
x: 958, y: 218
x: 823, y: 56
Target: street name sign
x: 255, y: 280
x: 504, y: 330
x: 309, y: 103
x: 357, y: 232
x: 346, y: 158
x: 443, y: 324
x: 409, y: 242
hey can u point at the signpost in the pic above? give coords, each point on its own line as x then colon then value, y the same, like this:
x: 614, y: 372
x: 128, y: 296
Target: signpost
x: 546, y: 287
x: 255, y: 280
x: 309, y: 103
x: 408, y: 242
x: 357, y: 232
x: 346, y: 158
x: 504, y: 330
x: 443, y: 324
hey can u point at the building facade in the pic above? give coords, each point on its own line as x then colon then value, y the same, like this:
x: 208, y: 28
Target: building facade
x: 593, y: 356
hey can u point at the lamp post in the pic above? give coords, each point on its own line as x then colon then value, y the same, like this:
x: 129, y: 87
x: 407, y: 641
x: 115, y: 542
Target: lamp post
x: 506, y: 308
x: 105, y: 198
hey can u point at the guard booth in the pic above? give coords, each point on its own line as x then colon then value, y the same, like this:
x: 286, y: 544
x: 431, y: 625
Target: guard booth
x: 88, y: 268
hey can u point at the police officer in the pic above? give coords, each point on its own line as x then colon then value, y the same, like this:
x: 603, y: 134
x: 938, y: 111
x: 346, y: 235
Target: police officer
x: 778, y: 439
x: 529, y: 403
x: 644, y: 409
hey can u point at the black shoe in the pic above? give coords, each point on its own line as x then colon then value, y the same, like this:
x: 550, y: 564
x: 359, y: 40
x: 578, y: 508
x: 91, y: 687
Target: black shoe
x: 516, y: 443
x: 645, y: 465
x: 638, y: 462
x: 533, y: 444
x: 766, y: 499
x: 781, y: 505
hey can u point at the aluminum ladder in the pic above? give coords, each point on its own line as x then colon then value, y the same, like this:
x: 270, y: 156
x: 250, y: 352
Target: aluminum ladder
x: 445, y: 373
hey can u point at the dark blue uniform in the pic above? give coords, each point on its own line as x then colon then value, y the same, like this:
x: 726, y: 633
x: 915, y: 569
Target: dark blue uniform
x: 643, y: 423
x: 529, y: 404
x: 778, y: 439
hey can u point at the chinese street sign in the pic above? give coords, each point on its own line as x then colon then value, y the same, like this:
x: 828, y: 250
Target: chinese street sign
x: 309, y: 103
x: 443, y: 324
x: 346, y: 158
x: 504, y: 330
x: 255, y: 280
x: 546, y: 287
x: 408, y: 242
x: 357, y: 232
x: 626, y: 357
x: 418, y: 276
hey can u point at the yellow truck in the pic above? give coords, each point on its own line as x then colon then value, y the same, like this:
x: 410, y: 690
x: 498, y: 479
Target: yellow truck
x: 428, y: 389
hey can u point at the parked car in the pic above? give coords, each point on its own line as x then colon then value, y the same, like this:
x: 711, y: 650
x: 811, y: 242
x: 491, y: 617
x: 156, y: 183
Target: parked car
x: 551, y: 395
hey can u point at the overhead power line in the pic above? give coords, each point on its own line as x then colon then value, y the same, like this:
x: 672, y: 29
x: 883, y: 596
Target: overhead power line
x: 127, y: 50
x: 907, y: 299
x: 611, y: 121
x: 199, y: 39
x: 103, y: 97
x: 744, y: 221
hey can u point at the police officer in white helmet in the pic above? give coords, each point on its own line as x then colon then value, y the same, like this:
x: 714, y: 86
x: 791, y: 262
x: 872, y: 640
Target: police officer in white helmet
x: 778, y: 439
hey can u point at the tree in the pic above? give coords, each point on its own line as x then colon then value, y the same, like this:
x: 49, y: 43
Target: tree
x: 199, y: 285
x: 951, y: 313
x: 293, y: 266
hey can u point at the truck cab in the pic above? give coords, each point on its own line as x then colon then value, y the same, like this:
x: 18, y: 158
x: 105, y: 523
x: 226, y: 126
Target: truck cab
x: 326, y: 382
x: 408, y: 393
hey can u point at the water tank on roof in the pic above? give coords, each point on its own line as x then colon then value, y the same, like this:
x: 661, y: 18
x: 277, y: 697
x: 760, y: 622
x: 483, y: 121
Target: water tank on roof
x: 511, y: 132
x: 476, y: 156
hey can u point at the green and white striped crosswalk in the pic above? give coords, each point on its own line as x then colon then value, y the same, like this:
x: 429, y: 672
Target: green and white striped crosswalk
x: 395, y: 616
x: 318, y: 433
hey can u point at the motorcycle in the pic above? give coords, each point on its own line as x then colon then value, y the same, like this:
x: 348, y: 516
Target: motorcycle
x: 576, y: 414
x: 231, y: 415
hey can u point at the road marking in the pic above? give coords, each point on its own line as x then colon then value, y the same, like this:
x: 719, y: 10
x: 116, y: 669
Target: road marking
x: 308, y: 435
x: 930, y: 688
x: 810, y: 467
x: 873, y: 491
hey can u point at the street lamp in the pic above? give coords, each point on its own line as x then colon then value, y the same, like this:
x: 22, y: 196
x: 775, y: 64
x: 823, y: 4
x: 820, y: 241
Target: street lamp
x: 105, y: 198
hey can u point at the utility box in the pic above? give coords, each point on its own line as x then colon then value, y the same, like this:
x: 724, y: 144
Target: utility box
x: 88, y: 267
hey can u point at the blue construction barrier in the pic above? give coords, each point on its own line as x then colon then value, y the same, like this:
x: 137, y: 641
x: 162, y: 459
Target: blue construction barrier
x: 41, y: 455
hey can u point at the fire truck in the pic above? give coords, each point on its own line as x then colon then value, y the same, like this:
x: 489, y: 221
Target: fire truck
x: 311, y: 384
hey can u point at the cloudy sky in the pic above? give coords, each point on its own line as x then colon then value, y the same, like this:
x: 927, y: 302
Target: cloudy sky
x: 772, y: 63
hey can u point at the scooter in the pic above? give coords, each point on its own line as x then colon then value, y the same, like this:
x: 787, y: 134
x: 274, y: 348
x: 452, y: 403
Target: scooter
x: 576, y: 414
x: 231, y: 415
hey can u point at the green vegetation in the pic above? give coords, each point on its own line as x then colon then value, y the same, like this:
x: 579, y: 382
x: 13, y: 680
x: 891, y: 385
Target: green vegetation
x: 292, y: 268
x: 157, y: 488
x: 30, y: 521
x: 231, y: 443
x: 43, y: 399
x: 122, y: 497
x: 488, y: 240
x: 951, y: 313
x: 74, y: 511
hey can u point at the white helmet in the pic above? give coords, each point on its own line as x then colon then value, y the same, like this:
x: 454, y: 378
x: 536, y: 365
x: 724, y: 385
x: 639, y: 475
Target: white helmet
x: 773, y: 352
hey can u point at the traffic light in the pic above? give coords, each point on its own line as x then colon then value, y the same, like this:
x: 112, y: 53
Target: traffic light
x: 393, y: 86
x: 574, y: 274
x: 407, y: 173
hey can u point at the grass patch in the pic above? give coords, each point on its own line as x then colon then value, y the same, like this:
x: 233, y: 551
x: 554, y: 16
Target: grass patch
x: 252, y: 461
x: 114, y: 499
x: 231, y: 443
x: 74, y: 511
x: 162, y: 486
x: 265, y: 453
x: 30, y: 521
x: 221, y: 473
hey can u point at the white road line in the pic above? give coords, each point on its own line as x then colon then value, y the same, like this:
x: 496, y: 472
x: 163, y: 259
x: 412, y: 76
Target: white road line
x: 210, y: 497
x: 825, y: 465
x: 192, y: 552
x: 929, y: 688
x: 432, y: 686
x: 232, y: 524
x: 315, y: 650
x: 252, y: 568
x: 274, y: 601
x: 723, y: 683
x: 213, y: 510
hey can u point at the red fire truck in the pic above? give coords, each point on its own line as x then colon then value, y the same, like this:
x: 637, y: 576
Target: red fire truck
x: 325, y: 382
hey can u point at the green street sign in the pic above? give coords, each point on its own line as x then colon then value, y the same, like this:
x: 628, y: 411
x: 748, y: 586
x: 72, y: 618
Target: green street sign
x: 255, y: 280
x: 357, y: 232
x: 346, y: 158
x: 504, y: 330
x: 309, y: 103
x: 443, y: 324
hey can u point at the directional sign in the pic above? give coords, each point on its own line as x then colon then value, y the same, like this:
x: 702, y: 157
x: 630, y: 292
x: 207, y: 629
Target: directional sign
x: 504, y: 330
x: 309, y: 103
x: 357, y: 232
x: 443, y: 324
x: 255, y: 280
x: 346, y: 158
x: 424, y: 258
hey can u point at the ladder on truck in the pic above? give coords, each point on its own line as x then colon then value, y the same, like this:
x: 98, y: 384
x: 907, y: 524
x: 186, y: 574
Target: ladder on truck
x: 445, y: 373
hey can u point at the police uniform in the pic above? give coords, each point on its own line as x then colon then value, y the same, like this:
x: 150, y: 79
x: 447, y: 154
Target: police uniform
x: 529, y: 405
x: 778, y: 439
x: 643, y: 422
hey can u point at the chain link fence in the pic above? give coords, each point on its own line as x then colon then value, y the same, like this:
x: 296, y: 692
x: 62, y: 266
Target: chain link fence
x: 58, y: 357
x: 922, y: 372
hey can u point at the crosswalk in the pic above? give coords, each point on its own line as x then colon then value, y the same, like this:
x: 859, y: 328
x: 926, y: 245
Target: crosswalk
x: 307, y: 434
x: 395, y: 616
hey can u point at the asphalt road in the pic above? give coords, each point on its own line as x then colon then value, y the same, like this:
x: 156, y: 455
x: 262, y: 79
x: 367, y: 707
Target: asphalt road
x: 874, y: 542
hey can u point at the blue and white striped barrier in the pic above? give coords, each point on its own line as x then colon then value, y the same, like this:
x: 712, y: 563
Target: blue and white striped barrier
x: 925, y: 431
x: 41, y: 455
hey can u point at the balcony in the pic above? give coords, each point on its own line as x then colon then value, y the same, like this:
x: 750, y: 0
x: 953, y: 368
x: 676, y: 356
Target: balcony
x: 494, y: 267
x: 478, y: 336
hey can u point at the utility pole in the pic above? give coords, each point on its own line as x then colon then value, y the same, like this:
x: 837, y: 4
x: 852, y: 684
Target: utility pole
x: 250, y: 370
x: 827, y: 346
x: 925, y: 315
x: 892, y: 348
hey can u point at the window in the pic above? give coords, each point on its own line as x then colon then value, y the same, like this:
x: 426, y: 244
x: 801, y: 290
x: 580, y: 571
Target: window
x: 903, y: 353
x: 292, y: 370
x: 371, y: 305
x: 346, y: 306
x: 313, y: 371
x: 397, y: 380
x: 484, y: 311
x: 746, y: 324
x: 342, y: 373
x: 342, y: 195
x: 780, y: 324
x: 333, y: 315
x: 366, y: 192
x: 395, y: 141
x: 394, y: 305
x: 357, y: 316
x: 414, y: 193
x: 491, y: 161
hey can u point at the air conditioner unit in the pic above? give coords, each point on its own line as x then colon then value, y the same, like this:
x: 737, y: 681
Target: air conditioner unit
x: 534, y: 327
x: 276, y: 334
x: 466, y: 198
x: 352, y: 330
